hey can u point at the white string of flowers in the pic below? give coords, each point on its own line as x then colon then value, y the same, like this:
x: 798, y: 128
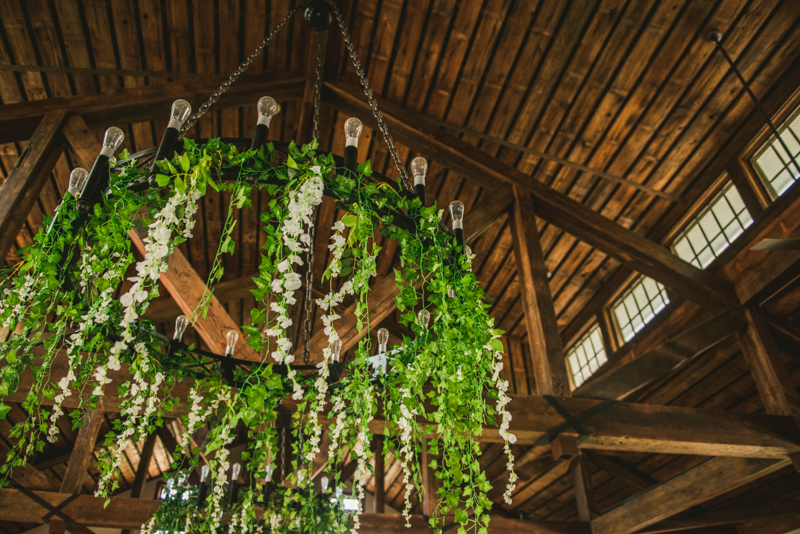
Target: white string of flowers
x: 406, y: 453
x: 508, y: 438
x: 328, y: 304
x: 362, y: 451
x: 218, y: 477
x: 297, y: 240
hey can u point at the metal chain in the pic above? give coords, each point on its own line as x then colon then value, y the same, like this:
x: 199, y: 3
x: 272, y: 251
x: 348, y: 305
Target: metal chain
x: 312, y: 231
x: 371, y: 99
x: 318, y: 85
x: 283, y: 454
x: 238, y: 72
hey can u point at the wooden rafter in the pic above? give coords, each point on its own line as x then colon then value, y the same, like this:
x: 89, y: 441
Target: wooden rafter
x: 21, y: 189
x: 137, y: 104
x: 83, y: 450
x: 630, y: 248
x: 547, y: 355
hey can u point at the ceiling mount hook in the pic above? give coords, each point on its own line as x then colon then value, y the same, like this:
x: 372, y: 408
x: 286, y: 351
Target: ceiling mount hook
x: 318, y: 14
x: 714, y: 37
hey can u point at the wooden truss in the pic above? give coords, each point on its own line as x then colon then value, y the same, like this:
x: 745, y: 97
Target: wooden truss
x: 741, y: 447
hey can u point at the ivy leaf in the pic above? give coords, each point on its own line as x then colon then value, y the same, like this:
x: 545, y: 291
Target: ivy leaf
x: 349, y: 220
x: 291, y: 163
x: 185, y: 162
x: 4, y: 409
x: 497, y: 345
x: 172, y: 168
x: 162, y: 180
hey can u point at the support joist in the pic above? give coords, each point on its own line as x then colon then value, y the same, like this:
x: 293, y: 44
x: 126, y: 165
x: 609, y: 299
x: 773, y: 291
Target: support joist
x: 23, y: 184
x: 702, y: 482
x: 627, y: 246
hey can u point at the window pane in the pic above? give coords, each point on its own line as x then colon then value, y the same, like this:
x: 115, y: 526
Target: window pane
x: 773, y: 164
x: 703, y: 240
x: 639, y: 305
x: 587, y: 355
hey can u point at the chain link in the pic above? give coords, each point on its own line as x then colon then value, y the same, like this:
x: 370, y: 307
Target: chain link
x: 371, y: 99
x: 238, y: 72
x: 283, y: 454
x: 318, y: 85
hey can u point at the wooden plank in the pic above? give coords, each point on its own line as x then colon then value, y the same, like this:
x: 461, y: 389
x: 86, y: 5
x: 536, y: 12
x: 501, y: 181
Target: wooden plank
x: 380, y: 476
x: 698, y: 484
x: 82, y: 450
x: 26, y: 180
x: 769, y: 372
x: 142, y: 470
x: 138, y: 104
x: 187, y: 289
x: 620, y: 469
x: 547, y: 355
x: 582, y: 483
x: 660, y: 361
x: 430, y: 484
x: 556, y: 208
x: 725, y: 516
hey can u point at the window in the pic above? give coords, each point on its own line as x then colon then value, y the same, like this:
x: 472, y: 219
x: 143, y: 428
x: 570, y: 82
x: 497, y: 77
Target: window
x: 772, y: 162
x: 714, y: 229
x: 587, y: 356
x: 639, y: 305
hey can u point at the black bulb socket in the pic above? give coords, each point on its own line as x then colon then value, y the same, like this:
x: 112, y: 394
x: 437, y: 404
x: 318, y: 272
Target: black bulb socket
x: 419, y: 190
x: 351, y: 158
x: 459, y: 233
x: 165, y: 151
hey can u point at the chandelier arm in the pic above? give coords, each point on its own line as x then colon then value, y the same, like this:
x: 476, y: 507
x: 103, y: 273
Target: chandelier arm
x: 371, y: 99
x: 237, y: 73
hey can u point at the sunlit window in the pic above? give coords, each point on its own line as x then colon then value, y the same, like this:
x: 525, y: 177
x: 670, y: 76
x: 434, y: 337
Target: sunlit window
x: 717, y: 226
x: 587, y: 356
x: 772, y: 161
x: 639, y: 305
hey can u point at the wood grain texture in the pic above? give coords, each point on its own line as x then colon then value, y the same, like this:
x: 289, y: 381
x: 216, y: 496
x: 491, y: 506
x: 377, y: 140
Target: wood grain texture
x: 547, y: 355
x: 83, y: 450
x: 21, y: 188
x: 705, y: 481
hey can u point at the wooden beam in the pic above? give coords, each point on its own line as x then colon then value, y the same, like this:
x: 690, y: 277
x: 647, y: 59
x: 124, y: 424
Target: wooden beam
x: 23, y: 184
x: 696, y: 485
x: 544, y: 340
x: 187, y: 289
x: 787, y: 524
x: 83, y: 450
x: 613, y: 426
x: 660, y: 361
x: 151, y: 102
x: 487, y: 211
x: 124, y: 512
x: 142, y: 470
x: 582, y: 483
x: 380, y: 476
x: 627, y: 246
x: 769, y: 372
x: 621, y: 470
x: 725, y: 516
x: 429, y: 497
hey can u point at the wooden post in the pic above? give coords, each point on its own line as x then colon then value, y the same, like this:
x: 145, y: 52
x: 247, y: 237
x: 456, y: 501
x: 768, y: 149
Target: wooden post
x: 769, y: 372
x: 82, y: 450
x: 582, y: 482
x: 753, y: 193
x: 25, y: 181
x: 142, y: 470
x: 564, y: 447
x: 544, y: 339
x: 380, y: 476
x: 430, y: 484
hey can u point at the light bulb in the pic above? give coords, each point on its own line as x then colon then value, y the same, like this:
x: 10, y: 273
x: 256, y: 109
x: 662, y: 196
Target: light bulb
x: 204, y: 474
x: 352, y: 131
x: 113, y: 138
x: 336, y: 348
x: 457, y: 213
x: 270, y: 470
x: 77, y: 179
x: 451, y: 293
x: 339, y: 491
x: 419, y: 168
x: 180, y: 111
x: 231, y: 339
x: 267, y: 108
x: 237, y: 468
x: 424, y: 317
x: 324, y: 483
x: 383, y: 340
x: 180, y: 327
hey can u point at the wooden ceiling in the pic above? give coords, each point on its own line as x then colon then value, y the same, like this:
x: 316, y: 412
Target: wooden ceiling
x: 628, y: 87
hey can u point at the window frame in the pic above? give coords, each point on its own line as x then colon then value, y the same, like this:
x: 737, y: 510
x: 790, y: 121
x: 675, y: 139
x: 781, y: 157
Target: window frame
x: 622, y: 295
x: 767, y: 144
x: 586, y: 335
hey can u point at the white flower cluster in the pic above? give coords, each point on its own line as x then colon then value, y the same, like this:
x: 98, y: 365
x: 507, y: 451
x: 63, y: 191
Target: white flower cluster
x: 406, y: 453
x: 24, y: 294
x: 138, y: 394
x: 362, y: 451
x: 508, y: 438
x: 218, y: 477
x: 338, y: 410
x: 157, y: 248
x: 296, y: 240
x: 97, y: 314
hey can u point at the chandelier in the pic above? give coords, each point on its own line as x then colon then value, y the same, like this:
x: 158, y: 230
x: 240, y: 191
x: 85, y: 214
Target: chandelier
x: 431, y: 395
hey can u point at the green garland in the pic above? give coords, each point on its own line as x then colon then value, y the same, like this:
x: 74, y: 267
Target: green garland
x: 444, y: 381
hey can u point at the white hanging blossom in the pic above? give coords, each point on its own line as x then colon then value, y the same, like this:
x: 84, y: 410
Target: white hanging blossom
x: 362, y: 451
x: 508, y: 438
x: 297, y: 240
x: 218, y: 478
x: 24, y: 294
x: 406, y: 453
